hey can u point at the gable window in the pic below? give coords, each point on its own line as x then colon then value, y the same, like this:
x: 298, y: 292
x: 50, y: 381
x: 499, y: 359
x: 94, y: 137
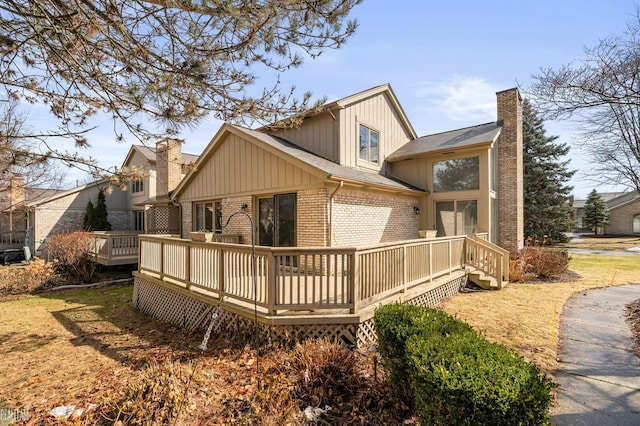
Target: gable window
x: 138, y: 220
x: 137, y: 186
x: 368, y: 144
x: 636, y: 224
x: 208, y: 216
x: 460, y: 174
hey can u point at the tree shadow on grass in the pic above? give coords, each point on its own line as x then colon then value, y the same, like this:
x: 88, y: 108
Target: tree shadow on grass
x: 104, y: 318
x: 18, y: 342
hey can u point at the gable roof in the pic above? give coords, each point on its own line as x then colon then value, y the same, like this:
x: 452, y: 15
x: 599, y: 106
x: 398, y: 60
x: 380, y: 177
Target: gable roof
x: 318, y: 166
x: 64, y: 193
x: 467, y: 137
x: 150, y: 154
x: 357, y: 97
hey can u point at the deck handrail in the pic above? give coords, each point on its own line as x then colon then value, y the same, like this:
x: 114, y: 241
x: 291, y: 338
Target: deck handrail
x: 299, y: 278
x: 489, y: 258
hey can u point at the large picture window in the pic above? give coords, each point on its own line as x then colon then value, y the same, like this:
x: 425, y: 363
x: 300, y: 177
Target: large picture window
x: 368, y: 145
x: 460, y: 174
x: 208, y: 216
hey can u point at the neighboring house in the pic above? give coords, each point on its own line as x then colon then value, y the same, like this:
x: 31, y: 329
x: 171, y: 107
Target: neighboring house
x: 14, y: 220
x: 134, y: 209
x: 356, y: 173
x: 624, y: 213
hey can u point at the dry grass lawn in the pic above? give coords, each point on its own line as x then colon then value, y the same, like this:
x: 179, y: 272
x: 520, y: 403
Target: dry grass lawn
x: 81, y: 347
x: 525, y: 317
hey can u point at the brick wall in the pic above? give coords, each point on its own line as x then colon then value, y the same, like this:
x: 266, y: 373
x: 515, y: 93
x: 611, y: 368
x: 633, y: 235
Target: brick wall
x: 361, y: 217
x: 621, y: 219
x: 240, y: 224
x: 510, y: 171
x: 313, y: 217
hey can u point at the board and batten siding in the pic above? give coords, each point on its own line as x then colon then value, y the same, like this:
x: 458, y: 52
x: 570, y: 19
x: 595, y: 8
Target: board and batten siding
x: 377, y: 113
x: 240, y: 167
x: 412, y: 171
x: 318, y: 135
x: 140, y: 161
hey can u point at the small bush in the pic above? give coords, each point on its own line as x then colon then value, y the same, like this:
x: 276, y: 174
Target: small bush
x: 25, y: 279
x: 455, y: 376
x: 537, y: 261
x: 72, y: 253
x: 395, y: 324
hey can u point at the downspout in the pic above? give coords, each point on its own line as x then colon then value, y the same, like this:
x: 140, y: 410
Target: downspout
x: 331, y: 197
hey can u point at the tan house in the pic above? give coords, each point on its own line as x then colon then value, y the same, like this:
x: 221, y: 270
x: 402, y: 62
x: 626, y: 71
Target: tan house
x: 356, y: 173
x: 142, y: 207
x: 624, y: 214
x: 335, y: 208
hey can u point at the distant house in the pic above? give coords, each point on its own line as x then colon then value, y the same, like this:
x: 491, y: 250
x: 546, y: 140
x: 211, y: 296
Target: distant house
x: 624, y: 213
x: 141, y: 208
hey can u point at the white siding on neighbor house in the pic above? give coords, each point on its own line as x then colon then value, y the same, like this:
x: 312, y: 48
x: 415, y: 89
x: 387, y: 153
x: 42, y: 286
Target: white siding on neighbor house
x: 318, y: 135
x: 238, y: 167
x: 376, y: 113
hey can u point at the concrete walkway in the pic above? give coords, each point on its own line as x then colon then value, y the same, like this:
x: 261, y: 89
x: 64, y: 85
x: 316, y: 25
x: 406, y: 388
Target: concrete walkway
x: 599, y: 375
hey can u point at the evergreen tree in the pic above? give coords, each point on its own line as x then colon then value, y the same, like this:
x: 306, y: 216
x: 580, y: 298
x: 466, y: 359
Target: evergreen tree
x: 100, y: 222
x: 87, y: 223
x: 596, y: 212
x: 547, y: 212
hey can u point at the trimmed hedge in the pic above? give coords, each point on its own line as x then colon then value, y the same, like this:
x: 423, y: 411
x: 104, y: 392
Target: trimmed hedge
x: 453, y: 375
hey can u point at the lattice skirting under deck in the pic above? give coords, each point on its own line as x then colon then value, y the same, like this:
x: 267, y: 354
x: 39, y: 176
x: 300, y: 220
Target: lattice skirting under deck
x: 182, y: 310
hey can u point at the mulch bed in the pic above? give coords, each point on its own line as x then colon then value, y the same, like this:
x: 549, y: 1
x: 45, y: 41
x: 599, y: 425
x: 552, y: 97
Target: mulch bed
x: 633, y: 319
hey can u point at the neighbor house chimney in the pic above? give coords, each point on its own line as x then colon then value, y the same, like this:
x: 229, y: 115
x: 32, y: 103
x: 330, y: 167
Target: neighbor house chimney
x: 510, y: 195
x: 16, y: 192
x: 168, y: 166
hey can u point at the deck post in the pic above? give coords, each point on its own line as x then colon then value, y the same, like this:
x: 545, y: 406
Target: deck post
x: 271, y: 283
x: 354, y: 278
x: 187, y: 266
x: 221, y: 272
x: 404, y: 269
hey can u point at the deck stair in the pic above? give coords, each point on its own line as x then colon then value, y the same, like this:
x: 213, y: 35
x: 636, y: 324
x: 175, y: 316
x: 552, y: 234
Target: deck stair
x: 487, y: 263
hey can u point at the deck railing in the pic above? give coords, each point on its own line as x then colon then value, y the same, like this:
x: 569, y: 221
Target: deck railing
x: 299, y: 278
x: 115, y: 248
x: 15, y: 238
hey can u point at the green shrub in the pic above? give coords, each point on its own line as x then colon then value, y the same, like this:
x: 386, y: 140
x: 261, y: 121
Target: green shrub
x: 394, y: 325
x: 454, y: 375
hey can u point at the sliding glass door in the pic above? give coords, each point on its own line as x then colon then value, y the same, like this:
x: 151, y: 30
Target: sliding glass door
x: 277, y: 221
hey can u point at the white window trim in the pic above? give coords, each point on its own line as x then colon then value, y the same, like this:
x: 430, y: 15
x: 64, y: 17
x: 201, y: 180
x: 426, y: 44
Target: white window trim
x: 363, y: 162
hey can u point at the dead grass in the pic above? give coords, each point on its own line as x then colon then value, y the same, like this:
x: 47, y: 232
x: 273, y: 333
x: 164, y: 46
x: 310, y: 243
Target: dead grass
x: 525, y: 317
x: 592, y: 242
x: 91, y: 346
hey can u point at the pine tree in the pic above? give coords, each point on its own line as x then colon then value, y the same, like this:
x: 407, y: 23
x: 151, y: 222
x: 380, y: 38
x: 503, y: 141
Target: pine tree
x: 547, y: 213
x: 100, y: 214
x: 596, y: 212
x: 87, y: 223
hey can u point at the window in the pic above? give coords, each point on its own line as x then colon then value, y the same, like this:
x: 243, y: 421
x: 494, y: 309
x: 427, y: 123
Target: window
x: 277, y: 221
x: 137, y: 186
x: 368, y: 144
x: 456, y: 218
x: 636, y: 224
x: 208, y: 216
x: 461, y: 174
x: 138, y: 220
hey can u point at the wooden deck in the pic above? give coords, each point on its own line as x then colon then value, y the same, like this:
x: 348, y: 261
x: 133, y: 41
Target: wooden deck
x: 325, y: 291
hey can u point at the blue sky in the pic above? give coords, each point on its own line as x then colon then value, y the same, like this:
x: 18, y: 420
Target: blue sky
x: 444, y: 60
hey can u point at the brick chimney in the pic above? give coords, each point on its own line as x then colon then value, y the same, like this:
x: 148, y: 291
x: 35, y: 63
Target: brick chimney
x: 510, y: 195
x: 168, y: 166
x: 16, y: 192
